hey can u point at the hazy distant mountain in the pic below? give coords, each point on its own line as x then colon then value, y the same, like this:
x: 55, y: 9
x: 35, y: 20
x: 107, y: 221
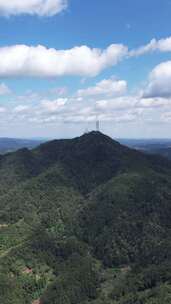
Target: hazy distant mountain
x: 13, y: 144
x: 152, y: 146
x: 85, y: 220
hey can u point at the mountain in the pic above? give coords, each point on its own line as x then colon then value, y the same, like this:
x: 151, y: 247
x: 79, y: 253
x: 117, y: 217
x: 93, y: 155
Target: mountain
x: 85, y: 220
x: 13, y: 144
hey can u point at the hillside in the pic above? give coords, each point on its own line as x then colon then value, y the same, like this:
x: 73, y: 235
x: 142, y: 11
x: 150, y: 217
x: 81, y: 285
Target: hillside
x: 85, y: 220
x: 163, y: 151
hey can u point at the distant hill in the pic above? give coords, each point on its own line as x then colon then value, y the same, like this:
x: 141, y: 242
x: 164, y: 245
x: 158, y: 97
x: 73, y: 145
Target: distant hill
x: 151, y: 146
x: 85, y: 220
x: 13, y: 144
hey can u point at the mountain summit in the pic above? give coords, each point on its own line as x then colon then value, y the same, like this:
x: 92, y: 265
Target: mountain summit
x: 89, y: 161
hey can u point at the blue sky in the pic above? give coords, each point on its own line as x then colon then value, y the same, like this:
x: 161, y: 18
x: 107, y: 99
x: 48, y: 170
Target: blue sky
x: 47, y: 94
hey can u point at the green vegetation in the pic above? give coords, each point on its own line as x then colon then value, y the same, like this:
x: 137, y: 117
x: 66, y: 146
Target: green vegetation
x: 85, y: 221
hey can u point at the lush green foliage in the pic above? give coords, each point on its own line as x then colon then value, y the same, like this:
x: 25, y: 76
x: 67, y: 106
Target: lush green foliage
x: 85, y: 221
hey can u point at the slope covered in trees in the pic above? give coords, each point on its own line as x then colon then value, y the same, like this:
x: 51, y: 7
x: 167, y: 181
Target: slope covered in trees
x: 85, y: 220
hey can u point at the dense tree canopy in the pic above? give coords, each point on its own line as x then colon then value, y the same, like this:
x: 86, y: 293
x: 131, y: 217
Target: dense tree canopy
x: 85, y: 221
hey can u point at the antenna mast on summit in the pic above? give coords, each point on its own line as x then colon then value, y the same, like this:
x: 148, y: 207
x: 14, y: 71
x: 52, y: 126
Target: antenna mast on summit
x: 97, y: 125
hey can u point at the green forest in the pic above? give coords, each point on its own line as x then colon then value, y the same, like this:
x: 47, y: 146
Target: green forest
x: 85, y: 221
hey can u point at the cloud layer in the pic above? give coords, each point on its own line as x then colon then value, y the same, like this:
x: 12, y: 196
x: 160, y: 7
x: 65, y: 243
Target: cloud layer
x: 32, y: 7
x: 39, y: 61
x: 84, y: 107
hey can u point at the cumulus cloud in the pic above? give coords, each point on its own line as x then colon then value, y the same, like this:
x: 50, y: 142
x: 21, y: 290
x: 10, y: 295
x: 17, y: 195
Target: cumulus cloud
x: 32, y: 7
x: 107, y: 87
x: 159, y: 81
x: 39, y: 61
x: 4, y: 89
x: 162, y: 45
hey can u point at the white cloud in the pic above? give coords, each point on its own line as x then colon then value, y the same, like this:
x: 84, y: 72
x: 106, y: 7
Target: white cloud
x: 107, y: 87
x: 150, y: 47
x: 126, y: 117
x: 39, y: 61
x: 53, y: 105
x: 154, y: 102
x: 21, y: 109
x: 166, y: 117
x: 159, y: 81
x: 32, y: 7
x: 61, y: 91
x: 115, y: 104
x: 4, y: 89
x: 162, y: 45
x: 2, y: 110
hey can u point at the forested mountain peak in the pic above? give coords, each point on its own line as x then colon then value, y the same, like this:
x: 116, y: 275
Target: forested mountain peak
x: 84, y: 220
x: 89, y: 160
